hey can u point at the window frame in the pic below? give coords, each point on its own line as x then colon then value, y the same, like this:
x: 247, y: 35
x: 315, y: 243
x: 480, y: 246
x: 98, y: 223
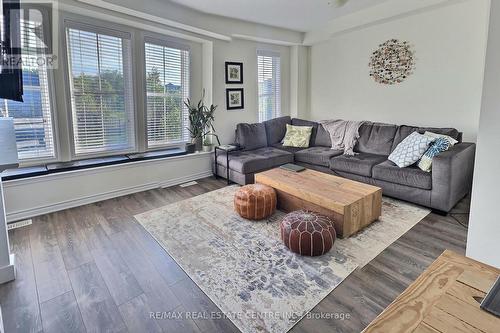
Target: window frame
x: 270, y: 53
x: 105, y: 28
x: 170, y: 42
x: 35, y: 161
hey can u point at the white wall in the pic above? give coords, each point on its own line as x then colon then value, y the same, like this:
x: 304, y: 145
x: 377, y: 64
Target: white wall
x: 483, y: 242
x: 246, y: 52
x: 445, y: 89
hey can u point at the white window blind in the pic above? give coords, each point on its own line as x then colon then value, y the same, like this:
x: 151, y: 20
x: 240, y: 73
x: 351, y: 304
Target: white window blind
x: 269, y: 81
x: 101, y: 91
x: 33, y: 117
x: 167, y: 88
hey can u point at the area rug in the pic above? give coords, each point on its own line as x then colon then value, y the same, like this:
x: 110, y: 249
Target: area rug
x: 246, y: 270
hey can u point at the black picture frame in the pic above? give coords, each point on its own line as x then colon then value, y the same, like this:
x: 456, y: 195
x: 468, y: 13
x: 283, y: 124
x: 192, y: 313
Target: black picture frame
x: 242, y: 99
x: 229, y: 65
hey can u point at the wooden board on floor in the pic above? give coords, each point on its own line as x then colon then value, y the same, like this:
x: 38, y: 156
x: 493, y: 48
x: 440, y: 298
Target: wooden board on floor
x: 442, y: 300
x: 351, y: 205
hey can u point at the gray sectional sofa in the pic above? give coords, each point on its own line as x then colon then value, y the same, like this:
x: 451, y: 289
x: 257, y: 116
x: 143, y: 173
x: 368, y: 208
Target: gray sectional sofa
x: 449, y: 181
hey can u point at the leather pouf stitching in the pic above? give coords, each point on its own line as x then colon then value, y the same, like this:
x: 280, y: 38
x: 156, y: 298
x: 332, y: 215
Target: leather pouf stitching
x: 255, y: 201
x: 307, y: 233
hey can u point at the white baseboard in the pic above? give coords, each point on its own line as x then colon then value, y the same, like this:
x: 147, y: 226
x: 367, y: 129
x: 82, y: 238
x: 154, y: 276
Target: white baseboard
x: 85, y: 200
x: 186, y: 179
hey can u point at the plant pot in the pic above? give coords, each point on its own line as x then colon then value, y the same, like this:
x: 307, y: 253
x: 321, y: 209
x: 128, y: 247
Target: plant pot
x: 207, y: 148
x: 199, y: 143
x: 190, y: 148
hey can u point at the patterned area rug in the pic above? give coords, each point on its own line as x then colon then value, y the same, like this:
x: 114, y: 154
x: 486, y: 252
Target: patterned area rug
x: 247, y: 271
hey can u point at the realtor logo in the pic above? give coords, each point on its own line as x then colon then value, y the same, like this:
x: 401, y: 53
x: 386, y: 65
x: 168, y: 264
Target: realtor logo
x: 29, y: 34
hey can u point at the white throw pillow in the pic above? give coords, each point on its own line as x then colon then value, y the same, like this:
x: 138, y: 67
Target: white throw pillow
x: 437, y: 136
x: 410, y: 150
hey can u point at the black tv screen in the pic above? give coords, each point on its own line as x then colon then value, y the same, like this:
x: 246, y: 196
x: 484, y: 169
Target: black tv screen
x: 11, y: 76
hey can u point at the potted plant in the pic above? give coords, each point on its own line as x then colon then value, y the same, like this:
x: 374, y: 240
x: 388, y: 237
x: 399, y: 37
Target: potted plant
x: 207, y: 144
x: 201, y: 126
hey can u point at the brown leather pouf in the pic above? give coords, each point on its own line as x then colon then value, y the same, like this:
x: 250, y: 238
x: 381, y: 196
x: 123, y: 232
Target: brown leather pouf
x: 307, y: 233
x: 255, y: 202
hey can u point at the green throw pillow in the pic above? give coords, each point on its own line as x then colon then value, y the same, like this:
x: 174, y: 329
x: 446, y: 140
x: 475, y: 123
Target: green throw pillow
x: 297, y: 136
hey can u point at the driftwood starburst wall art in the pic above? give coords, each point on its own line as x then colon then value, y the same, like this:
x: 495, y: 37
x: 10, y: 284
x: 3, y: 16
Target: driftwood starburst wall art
x: 392, y: 62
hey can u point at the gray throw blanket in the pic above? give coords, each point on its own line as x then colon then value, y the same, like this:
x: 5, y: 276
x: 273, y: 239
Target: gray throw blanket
x: 343, y: 133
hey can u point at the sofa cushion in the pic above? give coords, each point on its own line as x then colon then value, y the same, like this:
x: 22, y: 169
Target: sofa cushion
x: 292, y: 150
x: 275, y: 157
x: 314, y: 125
x: 404, y: 130
x: 251, y: 136
x: 360, y: 164
x: 276, y: 128
x: 323, y: 137
x: 255, y: 160
x: 412, y: 176
x: 317, y: 155
x: 375, y: 138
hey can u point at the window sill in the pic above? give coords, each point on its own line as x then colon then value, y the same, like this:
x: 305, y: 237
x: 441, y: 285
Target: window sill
x: 52, y: 168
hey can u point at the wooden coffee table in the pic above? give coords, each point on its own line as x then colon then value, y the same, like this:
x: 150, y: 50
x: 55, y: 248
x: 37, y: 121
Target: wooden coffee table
x: 350, y: 204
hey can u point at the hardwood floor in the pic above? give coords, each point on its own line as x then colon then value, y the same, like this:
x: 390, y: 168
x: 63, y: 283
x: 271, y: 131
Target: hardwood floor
x: 93, y: 268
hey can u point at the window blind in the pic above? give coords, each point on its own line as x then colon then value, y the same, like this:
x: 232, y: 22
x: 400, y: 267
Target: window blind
x: 33, y: 118
x: 101, y: 91
x: 167, y: 88
x: 269, y: 82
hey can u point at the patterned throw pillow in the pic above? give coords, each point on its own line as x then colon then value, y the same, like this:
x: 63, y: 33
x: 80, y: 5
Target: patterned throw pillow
x: 437, y: 136
x: 410, y: 150
x: 297, y: 136
x: 437, y: 147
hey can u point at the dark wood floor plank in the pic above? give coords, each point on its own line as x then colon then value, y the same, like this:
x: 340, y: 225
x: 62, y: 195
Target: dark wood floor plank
x: 120, y: 281
x: 114, y: 216
x: 70, y: 239
x: 99, y: 311
x: 194, y: 300
x: 61, y: 314
x: 19, y: 298
x: 158, y: 294
x: 50, y: 272
x: 177, y: 320
x: 165, y: 265
x: 137, y: 316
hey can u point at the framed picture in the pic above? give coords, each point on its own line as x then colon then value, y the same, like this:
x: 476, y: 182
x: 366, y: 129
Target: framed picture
x: 234, y: 72
x: 235, y: 99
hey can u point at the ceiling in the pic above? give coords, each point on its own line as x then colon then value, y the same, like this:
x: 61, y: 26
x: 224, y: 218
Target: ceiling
x: 299, y: 15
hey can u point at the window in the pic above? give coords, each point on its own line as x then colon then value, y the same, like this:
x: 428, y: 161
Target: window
x: 33, y: 118
x: 101, y: 90
x: 269, y: 81
x: 167, y: 88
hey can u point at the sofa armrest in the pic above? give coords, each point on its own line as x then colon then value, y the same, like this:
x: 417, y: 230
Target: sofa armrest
x: 452, y: 173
